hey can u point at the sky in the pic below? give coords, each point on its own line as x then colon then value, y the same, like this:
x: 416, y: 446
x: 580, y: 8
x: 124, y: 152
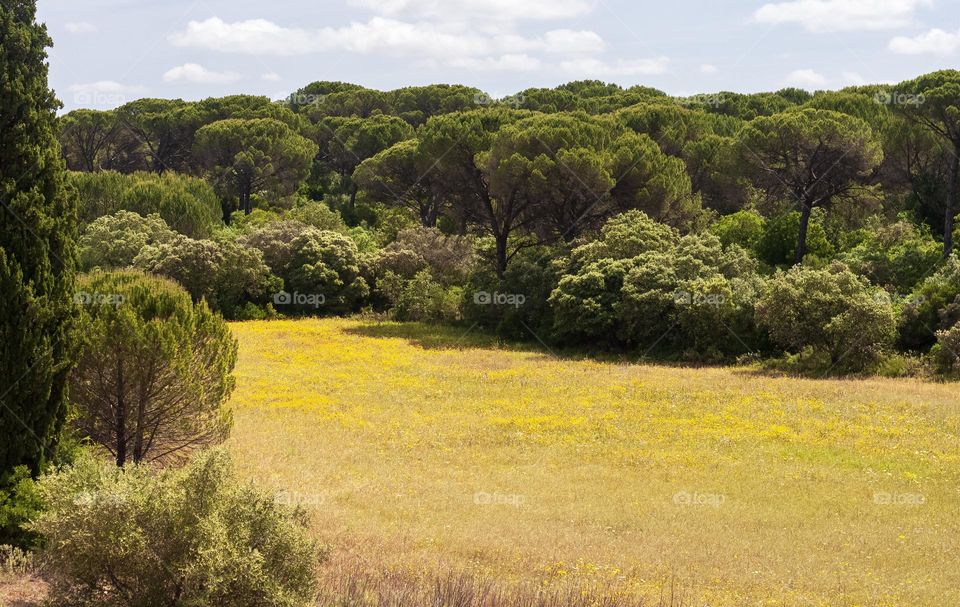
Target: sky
x: 108, y: 52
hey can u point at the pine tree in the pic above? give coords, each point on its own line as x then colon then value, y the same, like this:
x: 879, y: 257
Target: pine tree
x: 37, y: 235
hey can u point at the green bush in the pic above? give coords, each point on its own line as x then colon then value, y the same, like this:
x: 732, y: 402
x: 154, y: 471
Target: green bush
x: 190, y: 537
x: 275, y: 241
x: 626, y: 236
x: 317, y: 215
x: 946, y: 353
x: 19, y: 504
x: 896, y: 256
x: 225, y: 274
x: 188, y: 204
x: 324, y: 268
x: 930, y: 307
x: 830, y: 313
x: 686, y: 297
x: 114, y: 241
x: 744, y: 228
x: 421, y: 298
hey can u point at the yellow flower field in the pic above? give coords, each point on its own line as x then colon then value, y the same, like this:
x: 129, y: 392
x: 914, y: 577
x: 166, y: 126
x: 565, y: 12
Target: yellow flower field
x: 420, y: 451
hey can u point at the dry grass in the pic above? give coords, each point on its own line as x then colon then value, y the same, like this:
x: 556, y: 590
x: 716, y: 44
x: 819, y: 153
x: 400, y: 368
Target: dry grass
x: 431, y: 459
x: 20, y: 585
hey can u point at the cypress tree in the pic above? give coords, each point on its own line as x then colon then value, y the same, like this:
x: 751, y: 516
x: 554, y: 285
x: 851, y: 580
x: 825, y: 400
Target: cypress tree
x: 37, y: 235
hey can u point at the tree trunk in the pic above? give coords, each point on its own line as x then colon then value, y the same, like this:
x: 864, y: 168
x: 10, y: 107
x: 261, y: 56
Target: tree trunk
x: 952, y: 205
x: 138, y: 436
x: 121, y: 417
x: 805, y: 211
x: 353, y: 198
x: 245, y: 197
x: 501, y: 255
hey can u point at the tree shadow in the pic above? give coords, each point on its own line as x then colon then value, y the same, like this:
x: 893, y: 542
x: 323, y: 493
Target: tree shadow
x: 466, y: 337
x: 443, y: 337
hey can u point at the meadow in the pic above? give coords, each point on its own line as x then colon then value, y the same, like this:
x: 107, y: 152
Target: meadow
x: 440, y: 465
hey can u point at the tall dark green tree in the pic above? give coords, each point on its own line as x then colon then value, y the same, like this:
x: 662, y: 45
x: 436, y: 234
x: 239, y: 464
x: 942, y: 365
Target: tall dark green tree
x: 933, y: 101
x: 812, y: 158
x: 37, y: 233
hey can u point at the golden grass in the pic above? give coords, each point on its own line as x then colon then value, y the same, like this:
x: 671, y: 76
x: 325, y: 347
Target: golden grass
x: 422, y: 451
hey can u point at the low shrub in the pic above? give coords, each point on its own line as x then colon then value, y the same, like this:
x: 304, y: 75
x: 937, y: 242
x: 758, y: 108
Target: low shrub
x: 830, y: 314
x: 946, y: 353
x: 194, y: 537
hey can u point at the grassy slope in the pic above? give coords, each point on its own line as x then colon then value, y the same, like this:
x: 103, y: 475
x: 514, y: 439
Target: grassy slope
x: 390, y: 432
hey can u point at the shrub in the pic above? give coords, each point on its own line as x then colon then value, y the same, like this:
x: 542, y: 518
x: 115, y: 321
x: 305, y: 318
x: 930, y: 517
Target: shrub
x: 194, y: 536
x: 626, y: 236
x: 830, y: 312
x: 744, y: 228
x: 19, y: 504
x: 946, y: 354
x: 896, y: 256
x: 274, y: 241
x: 225, y: 274
x: 154, y: 370
x: 450, y: 258
x: 326, y: 264
x: 422, y: 298
x: 114, y: 241
x: 691, y: 298
x: 529, y: 280
x: 188, y: 204
x: 930, y: 308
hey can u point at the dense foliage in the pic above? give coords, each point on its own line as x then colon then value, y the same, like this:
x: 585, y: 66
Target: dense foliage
x: 588, y: 215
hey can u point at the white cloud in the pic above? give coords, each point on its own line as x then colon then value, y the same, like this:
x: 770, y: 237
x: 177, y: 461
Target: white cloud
x: 597, y: 68
x: 197, y: 74
x: 841, y: 15
x: 707, y: 68
x: 505, y: 63
x: 806, y: 79
x: 270, y: 77
x: 439, y: 40
x: 509, y: 10
x: 452, y: 44
x: 572, y: 42
x: 81, y: 27
x: 105, y: 86
x: 934, y: 42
